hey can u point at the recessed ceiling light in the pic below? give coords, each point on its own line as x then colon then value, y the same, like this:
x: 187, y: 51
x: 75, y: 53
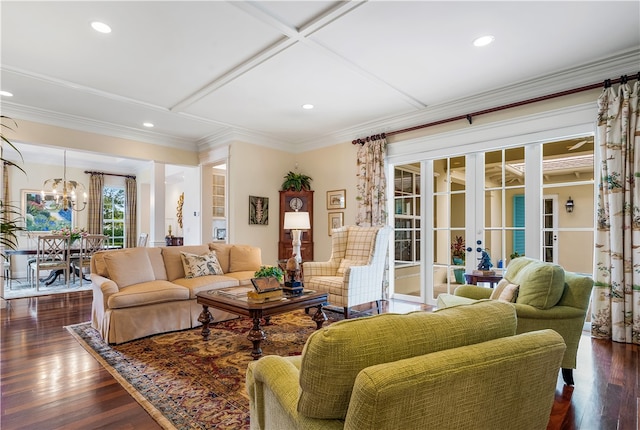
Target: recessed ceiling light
x: 307, y: 106
x: 6, y: 94
x: 483, y: 41
x: 148, y: 124
x: 100, y: 27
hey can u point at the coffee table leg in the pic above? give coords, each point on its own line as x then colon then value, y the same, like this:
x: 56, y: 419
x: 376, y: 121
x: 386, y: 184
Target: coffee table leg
x: 267, y: 320
x: 256, y: 335
x: 319, y: 317
x: 205, y: 318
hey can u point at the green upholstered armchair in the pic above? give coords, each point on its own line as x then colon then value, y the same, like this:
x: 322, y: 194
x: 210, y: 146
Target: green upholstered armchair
x: 458, y: 368
x: 354, y: 273
x: 548, y: 297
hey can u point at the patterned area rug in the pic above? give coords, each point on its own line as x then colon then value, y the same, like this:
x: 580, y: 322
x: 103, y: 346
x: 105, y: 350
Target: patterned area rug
x: 186, y: 383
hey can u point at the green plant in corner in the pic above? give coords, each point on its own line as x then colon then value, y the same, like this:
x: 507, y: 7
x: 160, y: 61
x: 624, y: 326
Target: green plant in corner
x: 9, y: 214
x: 296, y: 182
x: 269, y: 271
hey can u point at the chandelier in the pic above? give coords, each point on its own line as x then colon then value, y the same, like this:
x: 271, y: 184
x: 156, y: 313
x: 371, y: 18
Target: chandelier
x: 65, y: 192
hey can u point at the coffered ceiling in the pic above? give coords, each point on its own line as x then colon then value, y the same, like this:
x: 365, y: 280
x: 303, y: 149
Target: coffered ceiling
x: 208, y: 72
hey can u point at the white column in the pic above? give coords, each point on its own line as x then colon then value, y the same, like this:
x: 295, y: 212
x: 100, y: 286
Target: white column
x: 157, y: 205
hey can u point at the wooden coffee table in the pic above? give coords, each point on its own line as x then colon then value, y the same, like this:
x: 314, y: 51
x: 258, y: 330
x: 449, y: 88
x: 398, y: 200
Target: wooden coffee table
x: 256, y: 311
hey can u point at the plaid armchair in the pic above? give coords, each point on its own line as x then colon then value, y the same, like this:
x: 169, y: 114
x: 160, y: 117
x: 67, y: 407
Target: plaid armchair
x: 354, y: 273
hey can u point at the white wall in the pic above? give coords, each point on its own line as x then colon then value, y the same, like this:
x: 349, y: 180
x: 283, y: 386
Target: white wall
x: 331, y: 168
x: 256, y: 171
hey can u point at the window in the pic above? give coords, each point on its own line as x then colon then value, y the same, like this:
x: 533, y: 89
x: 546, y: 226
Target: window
x: 113, y: 215
x: 407, y: 214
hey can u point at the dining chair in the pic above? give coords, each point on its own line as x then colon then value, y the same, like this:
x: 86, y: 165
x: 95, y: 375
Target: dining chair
x: 142, y: 240
x: 6, y: 268
x: 51, y: 255
x: 89, y: 245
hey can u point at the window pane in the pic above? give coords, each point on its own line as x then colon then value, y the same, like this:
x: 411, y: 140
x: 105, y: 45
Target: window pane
x: 113, y: 215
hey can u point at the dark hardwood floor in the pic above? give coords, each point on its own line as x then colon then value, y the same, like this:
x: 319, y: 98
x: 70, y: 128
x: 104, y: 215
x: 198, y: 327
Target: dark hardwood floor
x: 48, y: 381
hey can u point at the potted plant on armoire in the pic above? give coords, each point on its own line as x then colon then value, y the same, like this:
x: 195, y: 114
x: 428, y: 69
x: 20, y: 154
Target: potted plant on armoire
x: 296, y: 195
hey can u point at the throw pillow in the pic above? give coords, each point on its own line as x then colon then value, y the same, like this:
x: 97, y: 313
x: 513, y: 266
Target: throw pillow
x: 244, y: 258
x: 541, y: 284
x: 200, y: 265
x: 505, y: 291
x: 348, y: 263
x: 129, y: 266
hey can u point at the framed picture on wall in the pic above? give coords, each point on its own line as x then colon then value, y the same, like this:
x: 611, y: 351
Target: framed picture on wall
x: 258, y: 210
x: 336, y: 220
x: 336, y: 199
x: 43, y: 213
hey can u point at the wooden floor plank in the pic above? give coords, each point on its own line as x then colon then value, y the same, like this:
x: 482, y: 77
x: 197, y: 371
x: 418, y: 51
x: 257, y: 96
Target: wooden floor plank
x: 48, y: 381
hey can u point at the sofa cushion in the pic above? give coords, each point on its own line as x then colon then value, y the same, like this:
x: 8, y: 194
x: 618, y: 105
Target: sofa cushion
x: 505, y: 291
x: 333, y: 356
x: 206, y: 283
x: 345, y: 263
x: 147, y: 293
x: 173, y: 261
x: 200, y: 265
x: 129, y: 266
x: 244, y: 257
x: 99, y: 264
x: 541, y: 284
x: 157, y: 262
x: 222, y: 252
x: 243, y: 277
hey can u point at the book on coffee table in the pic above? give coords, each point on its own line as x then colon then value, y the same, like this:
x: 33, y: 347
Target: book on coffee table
x: 267, y: 296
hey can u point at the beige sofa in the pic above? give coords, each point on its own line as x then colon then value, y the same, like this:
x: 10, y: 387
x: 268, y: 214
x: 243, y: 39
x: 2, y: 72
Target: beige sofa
x: 138, y: 292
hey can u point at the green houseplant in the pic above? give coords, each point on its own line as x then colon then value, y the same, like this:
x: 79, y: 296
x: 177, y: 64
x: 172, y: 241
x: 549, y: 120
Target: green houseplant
x: 269, y: 271
x: 9, y: 214
x: 296, y: 182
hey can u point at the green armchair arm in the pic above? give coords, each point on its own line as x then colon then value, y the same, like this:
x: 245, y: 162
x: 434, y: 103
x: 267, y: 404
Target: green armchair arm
x: 473, y: 292
x: 273, y: 387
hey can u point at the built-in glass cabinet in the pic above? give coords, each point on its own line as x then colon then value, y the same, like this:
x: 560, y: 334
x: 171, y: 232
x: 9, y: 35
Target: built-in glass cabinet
x: 217, y: 195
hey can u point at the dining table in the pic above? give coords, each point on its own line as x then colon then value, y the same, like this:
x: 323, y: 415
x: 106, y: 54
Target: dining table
x: 54, y: 274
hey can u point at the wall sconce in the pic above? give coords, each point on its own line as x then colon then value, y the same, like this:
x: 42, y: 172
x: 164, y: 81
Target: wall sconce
x: 569, y: 205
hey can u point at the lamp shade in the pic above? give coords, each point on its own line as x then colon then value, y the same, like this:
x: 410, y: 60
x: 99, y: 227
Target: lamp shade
x: 296, y: 221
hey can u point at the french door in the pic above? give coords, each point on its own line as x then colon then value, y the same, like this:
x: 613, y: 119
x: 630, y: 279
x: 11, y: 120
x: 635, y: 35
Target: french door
x: 507, y: 202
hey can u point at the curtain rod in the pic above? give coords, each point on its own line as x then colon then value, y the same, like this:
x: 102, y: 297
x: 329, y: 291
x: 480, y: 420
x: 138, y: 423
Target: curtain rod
x: 89, y: 172
x: 469, y: 117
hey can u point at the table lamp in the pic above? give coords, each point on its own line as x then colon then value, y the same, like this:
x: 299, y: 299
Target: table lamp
x: 296, y: 222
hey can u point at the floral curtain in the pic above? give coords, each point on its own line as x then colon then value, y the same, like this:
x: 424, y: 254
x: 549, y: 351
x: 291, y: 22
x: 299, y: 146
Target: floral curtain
x: 130, y: 212
x: 616, y: 295
x: 94, y: 209
x: 372, y: 186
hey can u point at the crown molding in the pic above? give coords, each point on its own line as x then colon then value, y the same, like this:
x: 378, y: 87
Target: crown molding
x: 590, y: 73
x: 597, y: 71
x: 78, y: 123
x: 231, y: 135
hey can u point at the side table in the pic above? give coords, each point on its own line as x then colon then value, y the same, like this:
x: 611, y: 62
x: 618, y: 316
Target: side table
x: 474, y: 279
